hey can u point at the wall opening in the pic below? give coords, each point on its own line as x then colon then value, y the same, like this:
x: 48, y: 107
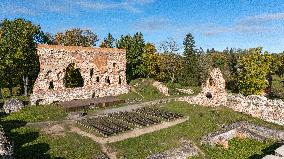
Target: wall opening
x: 51, y: 85
x: 107, y: 80
x: 210, y: 81
x: 114, y: 65
x: 98, y: 79
x: 119, y: 80
x: 91, y: 72
x: 73, y: 77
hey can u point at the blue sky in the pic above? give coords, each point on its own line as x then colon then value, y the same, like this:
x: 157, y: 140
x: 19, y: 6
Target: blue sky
x: 214, y: 23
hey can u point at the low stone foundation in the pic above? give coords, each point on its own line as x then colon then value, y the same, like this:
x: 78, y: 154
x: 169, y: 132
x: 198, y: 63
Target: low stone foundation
x: 242, y: 130
x: 258, y: 106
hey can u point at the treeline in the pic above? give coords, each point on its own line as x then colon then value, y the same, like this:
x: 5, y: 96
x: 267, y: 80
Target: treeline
x: 245, y: 70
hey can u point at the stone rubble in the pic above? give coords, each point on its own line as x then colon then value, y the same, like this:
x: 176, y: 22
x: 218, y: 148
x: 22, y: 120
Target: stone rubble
x: 6, y: 149
x: 214, y: 94
x: 162, y: 88
x: 103, y: 71
x: 258, y: 106
x: 186, y: 91
x: 13, y: 105
x: 213, y: 91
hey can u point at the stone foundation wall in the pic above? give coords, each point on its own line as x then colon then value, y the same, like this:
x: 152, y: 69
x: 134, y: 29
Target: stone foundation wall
x: 103, y: 71
x: 258, y: 106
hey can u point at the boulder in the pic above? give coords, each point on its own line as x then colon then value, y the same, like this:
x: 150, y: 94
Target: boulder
x: 13, y: 105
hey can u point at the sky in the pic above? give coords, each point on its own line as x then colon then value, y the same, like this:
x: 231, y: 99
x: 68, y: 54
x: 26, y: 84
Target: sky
x: 214, y: 23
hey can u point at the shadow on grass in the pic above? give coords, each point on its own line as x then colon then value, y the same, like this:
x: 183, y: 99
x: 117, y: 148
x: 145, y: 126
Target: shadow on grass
x: 267, y: 151
x: 21, y: 140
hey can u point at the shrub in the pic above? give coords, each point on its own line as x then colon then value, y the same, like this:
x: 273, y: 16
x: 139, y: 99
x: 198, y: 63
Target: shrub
x: 253, y: 67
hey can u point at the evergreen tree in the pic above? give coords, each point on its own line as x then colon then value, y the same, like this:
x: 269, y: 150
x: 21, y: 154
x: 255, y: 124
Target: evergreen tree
x: 189, y: 45
x: 108, y: 42
x: 190, y: 75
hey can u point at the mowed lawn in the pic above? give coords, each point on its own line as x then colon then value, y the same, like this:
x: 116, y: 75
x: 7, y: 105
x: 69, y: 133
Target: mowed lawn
x: 31, y: 142
x: 202, y: 120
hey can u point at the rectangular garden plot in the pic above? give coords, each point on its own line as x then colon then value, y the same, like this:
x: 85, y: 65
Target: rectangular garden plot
x: 116, y: 123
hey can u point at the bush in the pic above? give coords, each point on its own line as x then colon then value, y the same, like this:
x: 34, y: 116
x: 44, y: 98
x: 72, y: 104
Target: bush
x: 254, y: 66
x: 16, y: 91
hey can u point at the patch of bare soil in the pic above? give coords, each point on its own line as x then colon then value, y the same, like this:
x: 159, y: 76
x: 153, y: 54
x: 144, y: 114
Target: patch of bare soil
x: 56, y: 130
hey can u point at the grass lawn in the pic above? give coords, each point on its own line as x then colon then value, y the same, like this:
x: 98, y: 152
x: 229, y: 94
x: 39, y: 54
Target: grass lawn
x: 30, y: 143
x: 202, y: 120
x: 38, y: 113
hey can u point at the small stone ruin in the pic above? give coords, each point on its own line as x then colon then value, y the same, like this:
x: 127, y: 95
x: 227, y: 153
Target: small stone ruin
x: 213, y: 91
x: 13, y: 105
x: 214, y: 94
x: 102, y: 71
x: 161, y: 88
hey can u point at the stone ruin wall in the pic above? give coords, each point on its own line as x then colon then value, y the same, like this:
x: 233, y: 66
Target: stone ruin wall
x: 256, y: 106
x: 103, y: 71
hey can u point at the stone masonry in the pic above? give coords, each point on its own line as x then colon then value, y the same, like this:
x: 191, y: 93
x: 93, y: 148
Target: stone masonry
x: 103, y: 71
x: 214, y: 94
x: 213, y: 91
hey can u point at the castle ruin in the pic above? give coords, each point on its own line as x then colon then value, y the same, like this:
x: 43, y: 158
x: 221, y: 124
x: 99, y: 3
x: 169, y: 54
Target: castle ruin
x: 102, y: 70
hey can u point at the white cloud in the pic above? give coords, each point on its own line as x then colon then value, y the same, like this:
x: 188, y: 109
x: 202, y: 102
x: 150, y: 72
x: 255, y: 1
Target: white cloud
x: 151, y: 24
x: 249, y: 24
x: 129, y: 5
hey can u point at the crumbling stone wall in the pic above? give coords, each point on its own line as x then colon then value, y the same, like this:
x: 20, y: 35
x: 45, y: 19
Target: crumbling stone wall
x: 103, y: 71
x: 213, y: 91
x: 214, y: 94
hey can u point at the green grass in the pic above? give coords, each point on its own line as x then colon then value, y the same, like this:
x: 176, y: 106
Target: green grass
x: 242, y: 148
x: 38, y: 113
x: 277, y: 87
x: 202, y: 120
x: 144, y: 91
x: 30, y: 143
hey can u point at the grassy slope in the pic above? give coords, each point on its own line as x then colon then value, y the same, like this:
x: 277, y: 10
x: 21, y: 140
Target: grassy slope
x: 202, y: 120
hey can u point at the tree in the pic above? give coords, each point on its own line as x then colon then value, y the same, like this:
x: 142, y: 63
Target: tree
x: 253, y: 66
x: 190, y: 74
x: 170, y: 66
x: 189, y: 45
x: 108, y: 42
x: 150, y: 61
x: 76, y: 37
x: 169, y: 46
x: 18, y: 51
x: 134, y: 49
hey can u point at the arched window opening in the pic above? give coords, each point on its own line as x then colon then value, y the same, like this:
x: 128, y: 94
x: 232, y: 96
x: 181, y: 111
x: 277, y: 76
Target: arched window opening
x: 73, y: 77
x: 107, y: 80
x: 51, y: 85
x: 98, y: 79
x: 114, y: 65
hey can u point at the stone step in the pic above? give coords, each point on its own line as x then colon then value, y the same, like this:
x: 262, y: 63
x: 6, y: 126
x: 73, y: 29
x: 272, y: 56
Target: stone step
x: 272, y: 157
x: 280, y: 151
